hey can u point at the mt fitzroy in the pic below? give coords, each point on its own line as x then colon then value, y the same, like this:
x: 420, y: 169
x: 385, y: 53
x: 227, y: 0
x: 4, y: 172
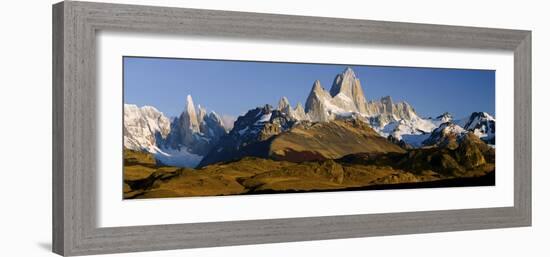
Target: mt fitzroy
x: 346, y: 98
x: 395, y: 120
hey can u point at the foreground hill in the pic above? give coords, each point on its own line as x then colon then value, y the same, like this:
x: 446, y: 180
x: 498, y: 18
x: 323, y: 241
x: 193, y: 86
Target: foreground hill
x: 328, y: 140
x: 466, y: 162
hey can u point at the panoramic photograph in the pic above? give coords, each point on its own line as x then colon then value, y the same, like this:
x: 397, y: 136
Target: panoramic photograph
x: 194, y: 127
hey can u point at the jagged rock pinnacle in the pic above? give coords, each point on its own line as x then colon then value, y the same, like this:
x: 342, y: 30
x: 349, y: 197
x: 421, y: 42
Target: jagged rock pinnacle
x: 191, y: 116
x: 349, y: 85
x: 284, y: 104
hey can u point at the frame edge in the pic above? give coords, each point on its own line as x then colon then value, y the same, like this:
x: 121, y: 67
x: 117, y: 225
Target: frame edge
x: 72, y: 234
x: 58, y: 208
x: 522, y: 130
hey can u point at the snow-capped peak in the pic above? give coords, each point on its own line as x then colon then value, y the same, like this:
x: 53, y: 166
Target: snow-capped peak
x: 482, y: 124
x: 449, y: 128
x: 445, y: 134
x: 445, y: 117
x: 182, y: 141
x: 143, y: 127
x: 284, y: 104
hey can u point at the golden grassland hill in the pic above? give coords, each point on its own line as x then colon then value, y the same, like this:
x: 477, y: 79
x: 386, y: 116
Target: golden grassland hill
x: 304, y: 141
x: 468, y: 161
x: 328, y: 140
x: 253, y: 174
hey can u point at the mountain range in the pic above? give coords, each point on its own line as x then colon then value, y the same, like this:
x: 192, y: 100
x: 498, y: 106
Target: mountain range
x: 332, y: 124
x: 182, y: 141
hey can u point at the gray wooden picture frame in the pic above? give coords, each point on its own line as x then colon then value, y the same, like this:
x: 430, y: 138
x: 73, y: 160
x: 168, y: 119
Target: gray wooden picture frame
x: 75, y: 25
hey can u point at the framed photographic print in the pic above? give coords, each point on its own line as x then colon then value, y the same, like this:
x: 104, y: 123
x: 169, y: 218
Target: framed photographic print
x: 183, y: 128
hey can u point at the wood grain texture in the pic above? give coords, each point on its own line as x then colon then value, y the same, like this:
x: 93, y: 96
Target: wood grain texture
x: 57, y: 133
x: 75, y: 25
x: 522, y: 128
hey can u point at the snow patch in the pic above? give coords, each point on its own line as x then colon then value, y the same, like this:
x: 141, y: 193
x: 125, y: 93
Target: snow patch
x: 414, y: 130
x: 265, y: 118
x: 178, y: 158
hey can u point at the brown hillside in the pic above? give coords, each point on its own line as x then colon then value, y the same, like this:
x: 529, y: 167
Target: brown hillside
x: 385, y: 166
x: 329, y: 140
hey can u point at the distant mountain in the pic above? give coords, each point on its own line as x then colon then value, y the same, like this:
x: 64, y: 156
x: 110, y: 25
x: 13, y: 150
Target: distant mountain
x: 298, y: 113
x: 446, y: 135
x: 180, y: 142
x: 398, y: 120
x: 426, y: 132
x: 445, y: 117
x: 396, y: 111
x: 348, y: 85
x: 262, y: 130
x: 196, y: 131
x: 481, y: 124
x: 144, y: 128
x: 248, y: 133
x: 346, y: 97
x: 412, y: 132
x: 333, y: 123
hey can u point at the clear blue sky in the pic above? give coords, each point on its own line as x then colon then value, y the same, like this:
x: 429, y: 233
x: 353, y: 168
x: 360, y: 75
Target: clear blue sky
x: 233, y: 87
